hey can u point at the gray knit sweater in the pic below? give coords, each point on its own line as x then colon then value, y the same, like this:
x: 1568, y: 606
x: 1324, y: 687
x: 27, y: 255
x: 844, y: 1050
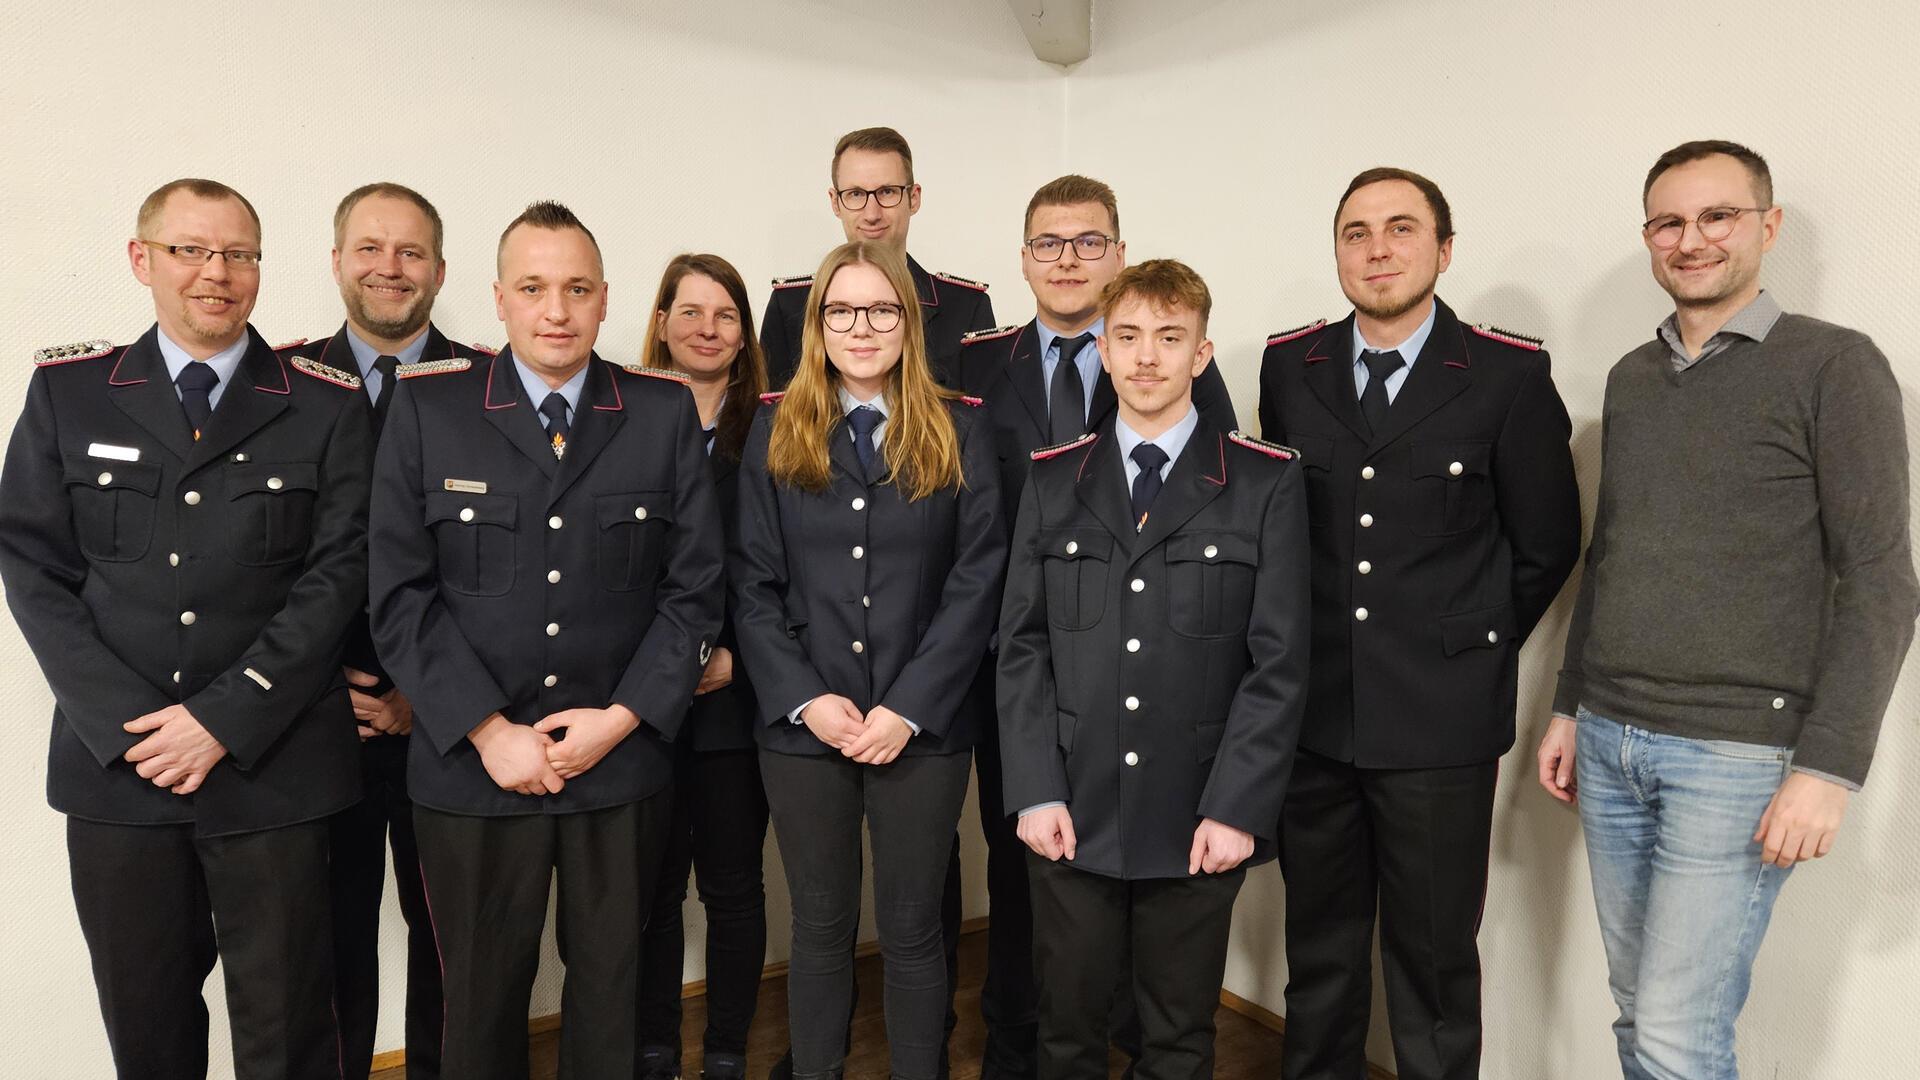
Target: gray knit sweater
x: 1750, y: 576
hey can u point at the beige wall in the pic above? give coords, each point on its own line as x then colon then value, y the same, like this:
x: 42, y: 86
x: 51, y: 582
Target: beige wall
x: 1228, y: 129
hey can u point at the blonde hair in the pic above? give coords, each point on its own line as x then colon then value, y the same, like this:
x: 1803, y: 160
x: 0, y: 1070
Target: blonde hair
x: 922, y: 448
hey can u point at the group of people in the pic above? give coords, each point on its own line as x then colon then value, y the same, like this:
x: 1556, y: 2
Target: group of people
x: 604, y: 621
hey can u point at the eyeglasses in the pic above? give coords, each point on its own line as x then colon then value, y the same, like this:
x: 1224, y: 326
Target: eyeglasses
x: 1716, y: 224
x: 881, y: 318
x: 888, y: 195
x: 191, y: 255
x: 1088, y: 246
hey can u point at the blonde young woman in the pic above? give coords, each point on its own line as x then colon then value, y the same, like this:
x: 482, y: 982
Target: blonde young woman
x: 703, y: 328
x: 866, y: 572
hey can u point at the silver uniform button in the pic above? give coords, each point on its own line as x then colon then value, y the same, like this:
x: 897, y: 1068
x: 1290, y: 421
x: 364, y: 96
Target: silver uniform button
x: 859, y: 552
x: 553, y: 577
x: 1133, y: 644
x: 1073, y: 546
x: 106, y: 478
x: 1211, y: 551
x: 553, y: 629
x: 176, y: 676
x: 866, y: 601
x: 1132, y: 758
x: 1133, y: 704
x: 1138, y: 585
x: 1360, y: 613
x: 466, y: 513
x: 1779, y: 703
x: 274, y: 483
x: 187, y: 618
x: 554, y: 522
x: 640, y: 513
x: 859, y: 648
x: 1493, y: 638
x: 859, y: 504
x: 1366, y: 472
x: 191, y: 498
x: 551, y: 680
x: 1455, y: 469
x: 1366, y: 567
x: 173, y: 558
x: 1366, y: 521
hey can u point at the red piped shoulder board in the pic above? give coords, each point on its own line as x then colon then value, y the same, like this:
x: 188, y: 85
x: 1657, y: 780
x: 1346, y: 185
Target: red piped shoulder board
x: 67, y: 354
x: 793, y: 282
x: 1272, y: 450
x: 974, y: 337
x: 325, y: 373
x: 486, y: 349
x: 1057, y: 449
x: 965, y: 283
x: 294, y: 344
x: 1285, y: 336
x: 659, y: 373
x: 772, y: 397
x: 969, y: 399
x: 1508, y: 337
x: 433, y: 367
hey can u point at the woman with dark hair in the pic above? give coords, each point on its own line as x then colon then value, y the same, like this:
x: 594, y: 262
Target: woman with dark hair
x: 865, y: 576
x: 703, y: 329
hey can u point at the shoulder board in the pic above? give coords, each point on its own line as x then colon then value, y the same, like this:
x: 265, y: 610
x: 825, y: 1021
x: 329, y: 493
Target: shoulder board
x: 326, y: 373
x: 1285, y: 336
x: 965, y: 283
x: 1057, y: 449
x: 433, y: 367
x: 973, y: 337
x: 772, y: 397
x: 969, y: 399
x: 1272, y: 450
x: 1508, y: 337
x: 484, y: 350
x: 659, y: 373
x: 294, y: 344
x: 792, y: 282
x: 67, y: 354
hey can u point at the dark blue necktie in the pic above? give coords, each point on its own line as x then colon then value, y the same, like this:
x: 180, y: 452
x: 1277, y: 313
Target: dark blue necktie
x: 1373, y: 400
x: 1146, y: 485
x: 196, y: 383
x: 863, y: 420
x: 555, y: 410
x: 1066, y: 393
x: 385, y: 365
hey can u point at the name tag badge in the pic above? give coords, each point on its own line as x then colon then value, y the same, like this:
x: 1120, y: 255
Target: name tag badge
x: 113, y: 453
x: 471, y: 487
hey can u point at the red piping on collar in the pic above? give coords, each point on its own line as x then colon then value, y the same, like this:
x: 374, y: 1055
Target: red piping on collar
x: 1222, y: 479
x: 489, y: 402
x: 1088, y: 456
x: 286, y: 384
x: 1462, y: 362
x: 619, y: 403
x: 1314, y: 355
x: 113, y: 377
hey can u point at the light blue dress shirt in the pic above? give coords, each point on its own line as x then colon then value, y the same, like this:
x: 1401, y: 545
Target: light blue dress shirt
x: 537, y: 389
x: 1409, y: 351
x: 364, y: 355
x: 224, y: 363
x: 1087, y: 359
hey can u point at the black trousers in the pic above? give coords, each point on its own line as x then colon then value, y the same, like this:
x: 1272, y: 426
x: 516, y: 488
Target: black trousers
x: 487, y: 882
x: 911, y: 807
x: 719, y: 831
x: 157, y: 906
x: 359, y: 837
x: 1413, y: 842
x: 1084, y: 928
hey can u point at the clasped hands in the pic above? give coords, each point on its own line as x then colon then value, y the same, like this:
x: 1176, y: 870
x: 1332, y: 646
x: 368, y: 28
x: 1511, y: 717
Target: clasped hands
x: 527, y: 758
x: 1217, y: 847
x: 874, y: 739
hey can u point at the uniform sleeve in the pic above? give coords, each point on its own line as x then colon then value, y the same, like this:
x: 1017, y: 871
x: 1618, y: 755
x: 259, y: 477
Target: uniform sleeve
x: 757, y: 576
x: 45, y: 573
x: 1032, y: 771
x: 1249, y: 777
x: 424, y: 650
x: 658, y: 683
x: 1270, y: 407
x: 929, y: 688
x: 298, y: 651
x: 1536, y: 494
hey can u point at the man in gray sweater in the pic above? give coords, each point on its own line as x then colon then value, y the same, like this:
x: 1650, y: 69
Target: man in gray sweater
x: 1748, y: 599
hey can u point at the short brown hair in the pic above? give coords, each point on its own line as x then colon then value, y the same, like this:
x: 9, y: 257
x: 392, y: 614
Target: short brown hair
x: 391, y: 191
x: 875, y: 140
x: 1164, y: 284
x: 546, y: 214
x: 1442, y: 213
x: 1687, y: 152
x: 151, y: 206
x: 1073, y: 190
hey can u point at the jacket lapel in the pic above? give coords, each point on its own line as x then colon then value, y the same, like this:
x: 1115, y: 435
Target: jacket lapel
x: 1102, y: 486
x: 261, y: 386
x: 1198, y: 476
x: 140, y: 386
x: 1330, y: 376
x: 841, y: 452
x: 509, y: 411
x: 1029, y: 381
x: 599, y: 417
x: 1439, y: 372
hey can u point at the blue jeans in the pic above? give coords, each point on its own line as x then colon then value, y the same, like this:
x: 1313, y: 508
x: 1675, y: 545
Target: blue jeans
x: 1682, y: 894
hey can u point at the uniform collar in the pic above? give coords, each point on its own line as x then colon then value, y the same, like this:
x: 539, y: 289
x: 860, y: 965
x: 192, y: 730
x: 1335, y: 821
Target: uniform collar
x: 1409, y: 349
x: 1173, y: 440
x: 223, y: 363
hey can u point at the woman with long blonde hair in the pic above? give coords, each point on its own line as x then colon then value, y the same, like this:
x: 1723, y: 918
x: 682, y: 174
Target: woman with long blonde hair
x: 866, y: 575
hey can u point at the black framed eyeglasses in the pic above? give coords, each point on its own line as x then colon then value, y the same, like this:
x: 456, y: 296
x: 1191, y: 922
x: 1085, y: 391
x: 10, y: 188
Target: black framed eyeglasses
x: 194, y: 255
x: 1088, y: 246
x: 887, y: 195
x: 1715, y: 223
x: 880, y: 317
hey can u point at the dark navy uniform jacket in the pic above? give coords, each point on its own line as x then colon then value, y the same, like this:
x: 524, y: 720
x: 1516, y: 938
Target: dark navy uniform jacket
x: 949, y: 307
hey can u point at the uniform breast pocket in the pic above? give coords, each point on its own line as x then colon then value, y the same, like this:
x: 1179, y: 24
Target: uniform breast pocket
x: 633, y: 536
x: 1210, y: 579
x: 113, y: 505
x: 1316, y: 462
x: 1452, y: 486
x: 272, y: 505
x: 1075, y: 563
x: 474, y: 537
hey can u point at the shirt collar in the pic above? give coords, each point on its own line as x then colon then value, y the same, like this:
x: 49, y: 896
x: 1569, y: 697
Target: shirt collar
x: 365, y: 354
x: 1173, y: 440
x: 1409, y: 349
x: 1048, y: 336
x: 537, y: 388
x: 223, y: 363
x: 1755, y: 321
x: 848, y: 402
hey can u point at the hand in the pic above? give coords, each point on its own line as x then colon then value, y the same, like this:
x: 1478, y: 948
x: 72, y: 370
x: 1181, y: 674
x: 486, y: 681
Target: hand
x: 515, y: 756
x: 1049, y: 832
x: 178, y: 754
x: 1556, y: 759
x: 1801, y: 821
x: 1218, y: 848
x: 590, y: 733
x: 389, y: 714
x: 886, y: 734
x: 719, y: 672
x: 833, y: 720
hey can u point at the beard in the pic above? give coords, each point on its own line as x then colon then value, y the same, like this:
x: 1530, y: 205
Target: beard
x: 1392, y: 309
x: 390, y: 327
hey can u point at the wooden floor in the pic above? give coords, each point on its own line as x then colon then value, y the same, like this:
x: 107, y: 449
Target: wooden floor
x: 1245, y: 1049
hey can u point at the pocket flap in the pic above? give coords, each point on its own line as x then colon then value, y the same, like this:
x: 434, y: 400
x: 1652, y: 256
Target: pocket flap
x: 633, y: 507
x: 271, y: 478
x: 1449, y: 459
x: 1213, y: 548
x: 1075, y: 543
x: 470, y: 509
x: 93, y: 472
x: 1482, y: 629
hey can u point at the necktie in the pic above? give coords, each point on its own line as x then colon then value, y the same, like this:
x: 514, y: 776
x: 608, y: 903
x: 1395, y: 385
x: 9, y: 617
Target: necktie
x: 1066, y: 394
x: 385, y: 365
x: 1373, y: 400
x: 1147, y: 485
x: 196, y: 383
x: 555, y: 410
x: 863, y: 420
